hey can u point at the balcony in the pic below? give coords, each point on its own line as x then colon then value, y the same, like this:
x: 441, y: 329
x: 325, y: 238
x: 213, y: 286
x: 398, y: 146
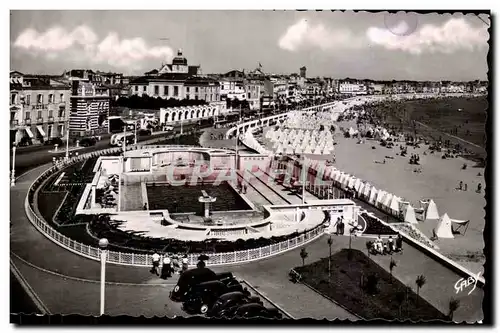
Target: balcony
x: 39, y: 120
x: 51, y: 119
x: 14, y: 122
x: 27, y: 121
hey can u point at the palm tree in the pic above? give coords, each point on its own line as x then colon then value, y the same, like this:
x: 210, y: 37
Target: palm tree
x: 330, y: 242
x: 453, y: 306
x: 420, y: 281
x: 400, y: 298
x: 303, y: 255
x: 392, y: 264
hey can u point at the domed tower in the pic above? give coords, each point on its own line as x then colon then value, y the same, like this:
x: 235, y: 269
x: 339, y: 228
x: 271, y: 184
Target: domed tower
x: 179, y: 63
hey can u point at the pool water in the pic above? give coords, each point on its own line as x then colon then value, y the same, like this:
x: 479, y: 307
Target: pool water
x: 184, y: 199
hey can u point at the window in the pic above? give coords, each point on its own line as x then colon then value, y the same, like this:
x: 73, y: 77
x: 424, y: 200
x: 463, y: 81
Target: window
x: 28, y: 115
x: 61, y: 113
x: 39, y: 114
x: 136, y: 88
x: 13, y: 98
x: 61, y: 98
x: 196, y: 90
x: 51, y: 98
x: 165, y: 90
x: 157, y: 90
x: 176, y: 91
x: 51, y: 114
x: 145, y: 89
x: 28, y: 99
x: 39, y: 99
x: 196, y: 97
x: 187, y: 90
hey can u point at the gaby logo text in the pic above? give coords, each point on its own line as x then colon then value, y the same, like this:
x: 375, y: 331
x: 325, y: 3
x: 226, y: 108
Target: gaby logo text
x: 462, y: 284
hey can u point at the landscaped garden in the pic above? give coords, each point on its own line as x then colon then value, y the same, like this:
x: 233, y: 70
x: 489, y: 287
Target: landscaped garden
x: 366, y: 289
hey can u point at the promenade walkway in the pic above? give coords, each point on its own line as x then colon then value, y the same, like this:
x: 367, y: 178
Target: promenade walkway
x: 67, y: 283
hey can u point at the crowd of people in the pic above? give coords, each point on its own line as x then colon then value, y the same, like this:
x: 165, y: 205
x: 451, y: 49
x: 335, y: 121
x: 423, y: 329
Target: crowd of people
x: 389, y: 247
x: 173, y: 264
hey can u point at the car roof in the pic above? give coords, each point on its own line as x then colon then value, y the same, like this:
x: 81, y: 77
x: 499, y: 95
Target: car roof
x: 232, y: 294
x: 250, y: 306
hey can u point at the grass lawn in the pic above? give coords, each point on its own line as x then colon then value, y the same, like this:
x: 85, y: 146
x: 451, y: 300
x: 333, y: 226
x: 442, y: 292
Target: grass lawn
x: 48, y: 203
x: 345, y: 288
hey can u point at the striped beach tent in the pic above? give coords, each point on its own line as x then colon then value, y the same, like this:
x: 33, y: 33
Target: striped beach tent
x: 373, y: 196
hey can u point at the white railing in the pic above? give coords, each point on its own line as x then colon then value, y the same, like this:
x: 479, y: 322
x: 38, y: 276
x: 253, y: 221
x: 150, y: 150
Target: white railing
x: 137, y: 259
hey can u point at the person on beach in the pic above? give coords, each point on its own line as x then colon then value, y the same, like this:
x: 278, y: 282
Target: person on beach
x: 399, y: 243
x: 465, y: 187
x: 479, y: 186
x: 460, y: 185
x: 185, y: 264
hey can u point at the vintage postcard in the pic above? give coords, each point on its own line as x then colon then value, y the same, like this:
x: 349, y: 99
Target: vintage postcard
x: 249, y: 164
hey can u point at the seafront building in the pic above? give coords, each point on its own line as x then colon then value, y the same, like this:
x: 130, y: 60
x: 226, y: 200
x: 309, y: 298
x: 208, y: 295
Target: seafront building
x: 39, y: 108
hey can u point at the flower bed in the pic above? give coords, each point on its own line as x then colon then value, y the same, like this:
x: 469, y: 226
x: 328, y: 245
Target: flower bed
x: 416, y: 234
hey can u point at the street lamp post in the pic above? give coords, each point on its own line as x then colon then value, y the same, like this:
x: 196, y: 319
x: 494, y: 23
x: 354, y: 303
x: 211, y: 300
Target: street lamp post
x: 303, y: 179
x: 103, y: 244
x: 67, y: 141
x: 13, y: 174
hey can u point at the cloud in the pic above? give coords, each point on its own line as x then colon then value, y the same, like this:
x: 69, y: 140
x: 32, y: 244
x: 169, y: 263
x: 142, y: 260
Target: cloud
x: 454, y: 35
x: 302, y: 34
x: 83, y: 44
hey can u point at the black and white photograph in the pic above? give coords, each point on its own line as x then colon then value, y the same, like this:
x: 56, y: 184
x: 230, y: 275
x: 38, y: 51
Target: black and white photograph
x: 269, y: 165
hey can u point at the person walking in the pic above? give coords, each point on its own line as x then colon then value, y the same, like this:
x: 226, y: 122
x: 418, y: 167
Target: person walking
x: 156, y: 264
x: 166, y: 269
x: 185, y: 264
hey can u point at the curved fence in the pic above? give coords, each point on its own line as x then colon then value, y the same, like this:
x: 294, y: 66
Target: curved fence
x: 134, y: 259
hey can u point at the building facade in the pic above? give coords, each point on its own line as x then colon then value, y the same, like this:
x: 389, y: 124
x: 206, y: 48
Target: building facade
x: 89, y: 109
x: 166, y: 82
x: 39, y: 108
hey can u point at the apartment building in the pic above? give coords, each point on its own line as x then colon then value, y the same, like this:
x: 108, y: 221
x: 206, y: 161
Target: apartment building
x: 39, y: 108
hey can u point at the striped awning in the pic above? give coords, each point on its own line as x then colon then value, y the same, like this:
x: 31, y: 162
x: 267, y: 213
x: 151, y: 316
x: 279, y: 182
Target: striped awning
x: 30, y: 133
x: 40, y: 129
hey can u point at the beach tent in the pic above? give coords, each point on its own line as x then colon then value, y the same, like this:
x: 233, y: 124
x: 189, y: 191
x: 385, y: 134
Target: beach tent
x: 357, y: 184
x: 360, y: 189
x: 410, y: 215
x: 443, y: 229
x: 298, y: 150
x: 394, y: 206
x: 351, y: 182
x: 460, y: 225
x: 387, y: 202
x: 317, y: 150
x: 366, y: 192
x: 380, y: 198
x: 431, y: 212
x: 347, y: 178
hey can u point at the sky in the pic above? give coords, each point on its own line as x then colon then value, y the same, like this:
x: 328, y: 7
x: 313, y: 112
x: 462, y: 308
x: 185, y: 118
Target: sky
x: 359, y: 45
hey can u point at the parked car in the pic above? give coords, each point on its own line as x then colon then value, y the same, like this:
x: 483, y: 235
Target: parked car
x: 87, y: 142
x: 189, y: 279
x: 54, y: 141
x: 256, y: 310
x: 201, y: 298
x: 25, y: 141
x: 144, y: 132
x: 227, y: 304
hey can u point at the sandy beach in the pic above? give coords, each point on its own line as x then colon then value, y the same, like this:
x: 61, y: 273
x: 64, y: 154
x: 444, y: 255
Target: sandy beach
x: 438, y: 180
